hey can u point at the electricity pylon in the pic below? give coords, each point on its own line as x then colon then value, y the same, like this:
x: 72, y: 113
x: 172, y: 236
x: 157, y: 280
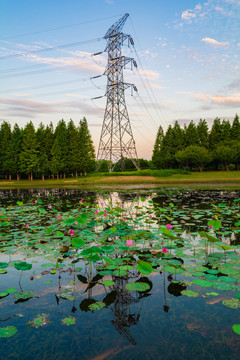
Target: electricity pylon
x: 116, y: 141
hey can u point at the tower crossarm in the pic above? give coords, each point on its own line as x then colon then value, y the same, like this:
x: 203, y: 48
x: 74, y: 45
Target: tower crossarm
x: 117, y: 26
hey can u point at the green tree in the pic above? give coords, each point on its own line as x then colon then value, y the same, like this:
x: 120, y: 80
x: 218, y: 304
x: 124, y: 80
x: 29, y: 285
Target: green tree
x: 42, y: 155
x: 61, y: 135
x: 56, y: 153
x: 5, y: 146
x: 194, y: 156
x: 191, y: 135
x: 15, y: 149
x: 156, y: 157
x: 235, y: 129
x: 202, y: 128
x: 29, y: 153
x: 73, y: 147
x: 86, y: 149
x: 224, y: 154
x: 48, y: 144
x: 226, y: 131
x: 216, y: 134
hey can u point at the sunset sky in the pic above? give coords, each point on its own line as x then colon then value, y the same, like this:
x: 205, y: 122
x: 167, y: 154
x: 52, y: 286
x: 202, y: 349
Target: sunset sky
x: 188, y: 56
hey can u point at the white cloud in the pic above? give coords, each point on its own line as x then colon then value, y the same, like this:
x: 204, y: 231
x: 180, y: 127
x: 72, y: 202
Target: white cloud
x: 226, y: 101
x: 214, y: 42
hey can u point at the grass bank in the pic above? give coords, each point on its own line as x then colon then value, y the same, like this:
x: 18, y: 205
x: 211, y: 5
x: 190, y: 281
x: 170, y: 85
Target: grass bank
x: 135, y: 179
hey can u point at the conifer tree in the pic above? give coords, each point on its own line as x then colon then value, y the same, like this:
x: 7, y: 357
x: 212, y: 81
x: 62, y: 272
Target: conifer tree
x: 29, y: 153
x: 215, y: 136
x: 56, y: 152
x: 235, y: 129
x: 202, y: 128
x: 86, y: 148
x: 5, y: 147
x: 42, y: 156
x: 15, y: 149
x: 191, y: 136
x: 48, y: 144
x: 61, y: 135
x: 73, y: 149
x: 156, y: 157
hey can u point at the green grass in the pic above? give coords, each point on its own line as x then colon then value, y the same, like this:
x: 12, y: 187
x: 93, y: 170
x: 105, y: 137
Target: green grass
x: 148, y: 172
x: 131, y: 178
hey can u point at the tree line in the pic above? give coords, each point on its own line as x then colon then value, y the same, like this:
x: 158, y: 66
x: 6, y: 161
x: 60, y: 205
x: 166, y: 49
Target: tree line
x: 27, y: 153
x: 196, y: 147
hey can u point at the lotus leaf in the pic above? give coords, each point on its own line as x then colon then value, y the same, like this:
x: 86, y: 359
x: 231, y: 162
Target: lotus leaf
x: 137, y: 286
x: 236, y: 328
x: 7, y: 331
x: 97, y: 306
x: 231, y: 303
x: 190, y: 293
x: 202, y: 282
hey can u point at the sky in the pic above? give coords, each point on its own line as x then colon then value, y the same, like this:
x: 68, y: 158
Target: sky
x: 187, y: 55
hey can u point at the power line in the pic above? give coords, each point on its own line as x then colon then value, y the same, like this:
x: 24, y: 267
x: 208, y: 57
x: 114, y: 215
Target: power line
x: 51, y: 48
x: 45, y: 85
x: 59, y: 28
x: 139, y: 60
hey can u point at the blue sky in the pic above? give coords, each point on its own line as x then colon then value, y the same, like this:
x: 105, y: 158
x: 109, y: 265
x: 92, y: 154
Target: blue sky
x: 187, y: 53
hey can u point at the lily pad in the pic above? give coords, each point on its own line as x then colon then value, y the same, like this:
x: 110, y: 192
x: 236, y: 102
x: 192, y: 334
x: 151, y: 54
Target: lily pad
x: 231, y: 303
x: 190, y: 293
x: 137, y: 286
x: 39, y: 321
x: 108, y: 282
x: 24, y: 295
x: 69, y: 321
x: 23, y: 266
x: 236, y: 328
x: 7, y: 331
x: 202, y: 282
x: 97, y: 306
x: 3, y: 265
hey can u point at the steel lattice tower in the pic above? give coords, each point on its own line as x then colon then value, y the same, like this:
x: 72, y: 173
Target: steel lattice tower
x: 116, y: 141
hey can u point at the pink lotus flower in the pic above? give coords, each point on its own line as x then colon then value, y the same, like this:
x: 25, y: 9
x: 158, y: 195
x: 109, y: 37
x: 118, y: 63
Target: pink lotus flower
x: 36, y: 201
x: 102, y: 203
x: 125, y: 219
x: 169, y: 226
x: 96, y: 212
x: 49, y: 206
x: 8, y: 219
x: 105, y: 214
x: 120, y: 205
x: 163, y: 203
x: 150, y: 216
x: 164, y: 250
x: 129, y: 243
x: 75, y: 223
x: 80, y: 201
x: 0, y: 214
x: 71, y: 232
x: 183, y: 207
x: 27, y: 225
x: 87, y: 207
x: 210, y: 227
x: 59, y: 216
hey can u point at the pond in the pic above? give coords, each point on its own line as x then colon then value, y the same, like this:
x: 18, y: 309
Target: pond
x: 119, y: 275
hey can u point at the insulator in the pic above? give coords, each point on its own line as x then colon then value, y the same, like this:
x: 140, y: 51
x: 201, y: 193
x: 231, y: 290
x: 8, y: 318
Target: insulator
x: 134, y: 63
x: 98, y: 97
x: 135, y: 88
x: 98, y: 53
x: 131, y: 40
x: 95, y: 77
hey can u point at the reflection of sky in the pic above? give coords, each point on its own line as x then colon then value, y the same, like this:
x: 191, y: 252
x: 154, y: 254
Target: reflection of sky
x: 159, y: 322
x: 187, y: 55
